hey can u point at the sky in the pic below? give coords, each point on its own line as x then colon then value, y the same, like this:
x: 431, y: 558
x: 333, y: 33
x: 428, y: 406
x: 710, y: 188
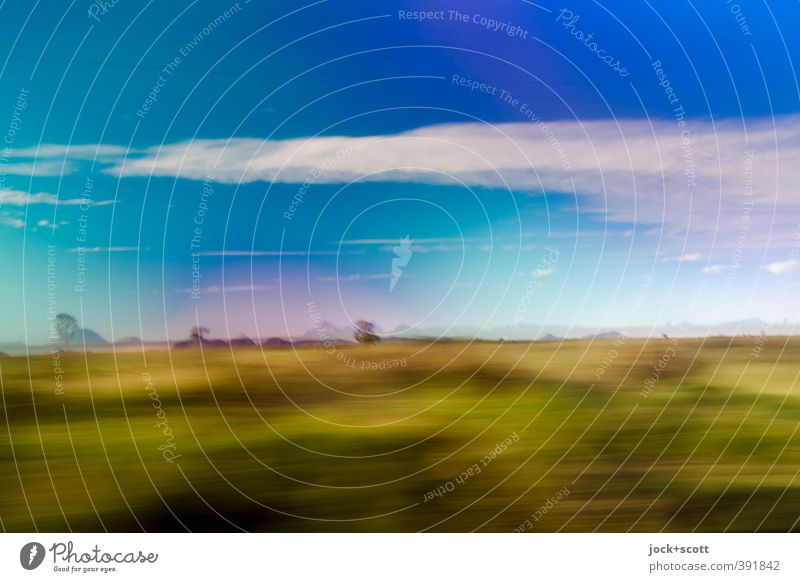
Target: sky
x: 256, y: 167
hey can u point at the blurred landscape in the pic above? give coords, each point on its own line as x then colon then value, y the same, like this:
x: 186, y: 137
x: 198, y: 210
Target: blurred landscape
x: 586, y: 435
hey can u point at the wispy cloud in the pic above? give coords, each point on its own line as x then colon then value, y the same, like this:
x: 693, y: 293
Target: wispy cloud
x: 19, y: 198
x: 715, y: 269
x: 433, y: 248
x: 355, y: 277
x: 701, y: 181
x: 543, y: 272
x: 103, y: 249
x: 440, y: 244
x: 103, y: 152
x: 461, y: 248
x: 43, y: 168
x: 393, y: 241
x: 44, y: 223
x: 689, y: 258
x: 215, y: 289
x: 782, y: 267
x: 269, y: 253
x: 235, y: 288
x: 6, y: 220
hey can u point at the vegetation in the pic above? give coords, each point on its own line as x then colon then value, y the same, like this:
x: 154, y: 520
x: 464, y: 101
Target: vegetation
x: 66, y: 327
x: 316, y: 439
x: 365, y: 332
x: 199, y: 333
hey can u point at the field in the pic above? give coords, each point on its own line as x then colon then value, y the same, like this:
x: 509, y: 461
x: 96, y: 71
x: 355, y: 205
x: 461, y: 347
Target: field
x: 612, y: 435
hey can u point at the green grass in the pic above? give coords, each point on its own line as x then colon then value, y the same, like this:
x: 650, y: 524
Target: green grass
x: 296, y: 440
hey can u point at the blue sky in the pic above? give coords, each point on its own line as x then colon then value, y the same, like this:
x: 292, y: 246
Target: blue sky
x: 652, y: 149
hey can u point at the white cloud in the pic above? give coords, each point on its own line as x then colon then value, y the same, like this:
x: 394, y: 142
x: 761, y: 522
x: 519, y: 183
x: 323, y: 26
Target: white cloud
x: 388, y: 241
x: 103, y: 249
x: 715, y: 269
x: 6, y: 220
x: 536, y: 273
x: 703, y: 182
x: 235, y: 288
x: 633, y: 171
x: 460, y: 247
x: 690, y: 258
x: 270, y: 253
x: 44, y: 223
x: 782, y: 267
x: 437, y: 248
x: 227, y: 289
x: 355, y: 277
x: 19, y: 198
x: 75, y: 152
x: 43, y: 168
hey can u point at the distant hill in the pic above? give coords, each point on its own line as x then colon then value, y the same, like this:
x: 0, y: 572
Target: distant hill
x: 132, y: 339
x: 206, y: 343
x: 88, y: 337
x: 326, y: 330
x: 316, y: 342
x: 13, y: 347
x: 604, y: 335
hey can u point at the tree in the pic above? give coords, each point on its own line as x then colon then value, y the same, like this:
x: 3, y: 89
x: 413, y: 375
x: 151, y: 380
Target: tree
x: 365, y: 332
x: 198, y: 333
x: 66, y: 327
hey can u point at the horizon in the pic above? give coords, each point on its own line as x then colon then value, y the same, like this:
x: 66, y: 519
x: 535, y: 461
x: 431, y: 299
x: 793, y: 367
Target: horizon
x: 400, y: 266
x: 680, y: 329
x: 462, y: 191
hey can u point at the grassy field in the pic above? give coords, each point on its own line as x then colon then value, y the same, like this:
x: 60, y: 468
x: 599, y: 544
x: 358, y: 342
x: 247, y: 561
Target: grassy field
x: 613, y: 435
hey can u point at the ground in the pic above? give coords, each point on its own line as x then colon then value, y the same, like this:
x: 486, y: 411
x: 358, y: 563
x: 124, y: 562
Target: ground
x: 612, y: 435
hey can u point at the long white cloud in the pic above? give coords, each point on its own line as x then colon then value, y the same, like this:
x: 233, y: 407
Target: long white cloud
x: 702, y: 178
x: 19, y: 198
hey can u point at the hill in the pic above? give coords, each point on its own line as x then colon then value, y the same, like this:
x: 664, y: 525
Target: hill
x: 85, y: 336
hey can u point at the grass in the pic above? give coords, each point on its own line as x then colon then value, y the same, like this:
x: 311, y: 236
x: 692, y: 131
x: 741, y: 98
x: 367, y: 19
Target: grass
x: 303, y: 440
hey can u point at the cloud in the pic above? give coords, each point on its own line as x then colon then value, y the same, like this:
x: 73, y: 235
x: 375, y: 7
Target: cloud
x: 715, y: 269
x: 44, y: 223
x: 355, y: 277
x: 19, y: 198
x: 703, y: 181
x: 103, y: 249
x: 436, y: 248
x: 690, y: 258
x: 782, y: 267
x: 270, y: 253
x: 6, y: 220
x: 43, y: 168
x: 235, y: 288
x: 227, y: 289
x: 460, y: 248
x: 536, y: 273
x: 104, y: 152
x: 394, y: 241
x: 441, y: 244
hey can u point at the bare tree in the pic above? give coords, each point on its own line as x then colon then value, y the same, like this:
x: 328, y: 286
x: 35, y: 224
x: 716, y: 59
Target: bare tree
x: 66, y: 327
x: 198, y: 333
x: 365, y: 332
